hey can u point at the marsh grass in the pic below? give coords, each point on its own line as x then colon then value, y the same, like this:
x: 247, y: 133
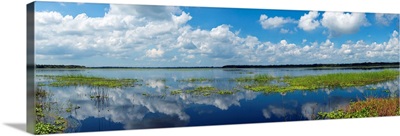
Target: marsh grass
x: 342, y: 79
x: 257, y: 78
x: 201, y: 79
x: 47, y: 122
x: 93, y: 81
x: 262, y: 83
x: 203, y: 91
x: 371, y: 107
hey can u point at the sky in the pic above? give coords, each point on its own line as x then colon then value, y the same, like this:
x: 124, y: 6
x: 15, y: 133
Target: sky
x: 165, y: 36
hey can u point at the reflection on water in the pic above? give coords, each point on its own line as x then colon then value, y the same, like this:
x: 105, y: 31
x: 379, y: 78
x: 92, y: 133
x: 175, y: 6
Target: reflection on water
x: 152, y: 106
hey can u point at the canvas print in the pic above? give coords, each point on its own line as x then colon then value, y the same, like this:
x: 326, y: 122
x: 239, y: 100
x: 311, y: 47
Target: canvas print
x: 101, y: 67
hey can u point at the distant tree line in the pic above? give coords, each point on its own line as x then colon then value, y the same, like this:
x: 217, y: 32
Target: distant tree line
x: 365, y: 64
x: 60, y: 66
x: 111, y: 67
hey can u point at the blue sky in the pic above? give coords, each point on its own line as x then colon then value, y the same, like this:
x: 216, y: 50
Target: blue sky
x: 154, y: 36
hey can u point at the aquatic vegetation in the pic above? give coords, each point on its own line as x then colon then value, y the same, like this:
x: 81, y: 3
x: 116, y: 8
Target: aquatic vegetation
x: 201, y: 79
x: 273, y: 88
x: 81, y: 80
x: 176, y: 92
x: 46, y: 122
x: 225, y: 92
x: 256, y: 78
x: 313, y: 82
x: 41, y: 84
x: 47, y: 128
x: 207, y: 91
x: 371, y: 107
x: 342, y: 79
x: 40, y: 93
x: 203, y: 90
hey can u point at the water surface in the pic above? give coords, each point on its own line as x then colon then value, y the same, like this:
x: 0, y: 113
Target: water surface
x: 149, y: 104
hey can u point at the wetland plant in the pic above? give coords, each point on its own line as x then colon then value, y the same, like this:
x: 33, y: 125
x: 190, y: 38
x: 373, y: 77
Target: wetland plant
x: 93, y: 81
x: 262, y: 83
x: 371, y: 107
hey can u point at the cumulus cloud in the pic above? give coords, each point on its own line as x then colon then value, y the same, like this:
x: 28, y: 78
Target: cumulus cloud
x: 308, y: 21
x: 385, y: 19
x: 136, y: 33
x: 125, y: 31
x: 339, y: 23
x: 284, y: 31
x: 273, y: 22
x: 154, y: 53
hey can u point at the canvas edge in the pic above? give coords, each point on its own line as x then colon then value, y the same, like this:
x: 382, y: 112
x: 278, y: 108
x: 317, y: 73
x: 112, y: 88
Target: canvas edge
x: 30, y: 62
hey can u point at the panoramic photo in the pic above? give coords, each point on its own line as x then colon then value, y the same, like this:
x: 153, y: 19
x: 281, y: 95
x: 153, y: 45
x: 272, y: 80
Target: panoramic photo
x: 102, y: 67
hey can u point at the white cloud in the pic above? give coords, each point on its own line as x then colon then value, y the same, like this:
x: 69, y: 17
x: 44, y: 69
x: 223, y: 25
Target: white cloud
x: 308, y: 21
x: 190, y: 56
x: 304, y: 41
x: 273, y: 22
x: 284, y: 31
x: 124, y: 32
x: 154, y: 53
x: 343, y: 23
x: 134, y: 35
x: 385, y: 19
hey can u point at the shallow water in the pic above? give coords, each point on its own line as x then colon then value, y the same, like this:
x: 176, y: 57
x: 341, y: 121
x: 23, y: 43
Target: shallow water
x: 150, y: 104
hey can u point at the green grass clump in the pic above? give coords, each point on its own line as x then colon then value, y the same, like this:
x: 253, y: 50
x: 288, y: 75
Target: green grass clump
x: 371, y: 107
x: 261, y: 83
x: 256, y: 78
x: 82, y: 80
x: 224, y: 92
x: 176, y: 92
x: 342, y: 79
x: 203, y: 91
x: 207, y: 91
x: 273, y: 88
x: 197, y: 80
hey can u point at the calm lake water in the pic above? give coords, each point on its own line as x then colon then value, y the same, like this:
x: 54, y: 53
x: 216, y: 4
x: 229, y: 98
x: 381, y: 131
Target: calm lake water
x: 150, y: 104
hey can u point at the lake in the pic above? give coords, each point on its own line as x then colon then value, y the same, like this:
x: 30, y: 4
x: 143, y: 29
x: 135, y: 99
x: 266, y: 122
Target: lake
x: 150, y: 104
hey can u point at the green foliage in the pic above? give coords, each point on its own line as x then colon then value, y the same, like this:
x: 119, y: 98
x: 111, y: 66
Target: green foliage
x: 208, y: 90
x: 40, y: 93
x: 262, y: 83
x: 339, y: 114
x: 372, y: 107
x: 44, y: 126
x: 176, y: 92
x: 58, y: 126
x: 81, y: 80
x: 224, y: 92
x: 342, y: 79
x: 257, y: 78
x: 197, y: 80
